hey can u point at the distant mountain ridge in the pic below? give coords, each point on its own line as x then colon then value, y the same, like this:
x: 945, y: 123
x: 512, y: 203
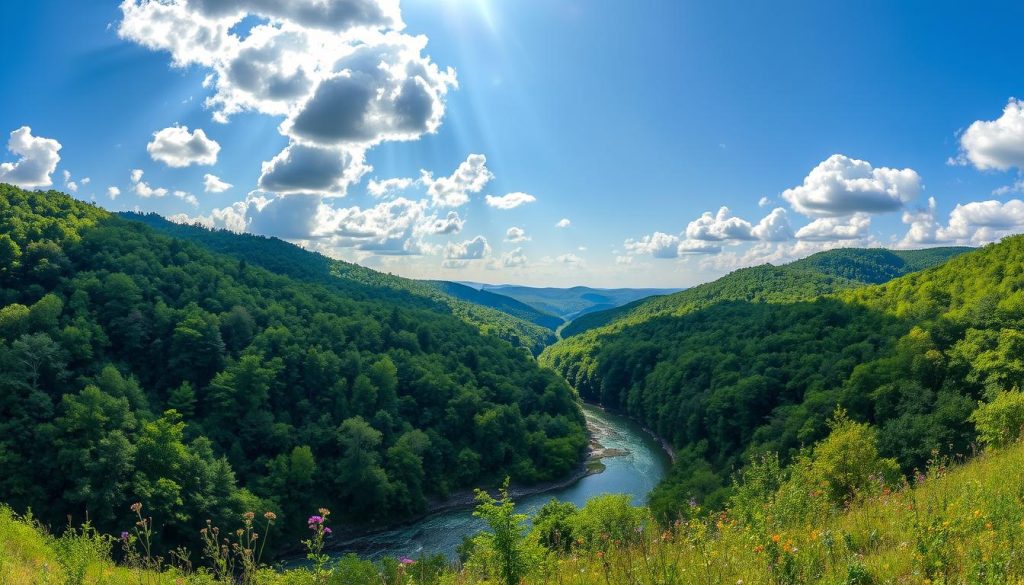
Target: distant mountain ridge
x: 570, y: 303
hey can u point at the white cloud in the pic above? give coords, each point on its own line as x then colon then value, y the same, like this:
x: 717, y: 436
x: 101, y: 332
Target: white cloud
x: 623, y: 260
x: 475, y: 249
x: 695, y: 247
x: 841, y: 186
x: 453, y: 191
x: 571, y: 260
x: 38, y: 158
x: 514, y: 258
x: 836, y: 228
x: 516, y: 234
x: 177, y: 147
x: 388, y: 187
x: 718, y: 227
x: 996, y: 144
x: 510, y: 201
x: 764, y: 202
x: 1016, y: 187
x: 113, y: 192
x: 86, y: 181
x: 142, y: 189
x: 563, y: 223
x: 340, y: 73
x: 924, y: 227
x: 773, y: 227
x: 450, y: 224
x: 983, y: 221
x: 213, y: 184
x: 68, y: 183
x: 187, y: 197
x: 659, y: 245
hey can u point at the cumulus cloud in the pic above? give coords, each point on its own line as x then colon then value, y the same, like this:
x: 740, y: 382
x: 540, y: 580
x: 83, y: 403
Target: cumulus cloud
x: 836, y: 228
x: 450, y: 224
x: 570, y: 260
x: 213, y: 184
x: 514, y: 258
x: 310, y: 169
x: 721, y: 226
x: 1016, y: 187
x: 773, y: 227
x: 142, y: 189
x: 841, y: 186
x: 340, y: 73
x: 510, y: 201
x: 983, y: 221
x: 113, y: 192
x: 764, y: 202
x: 453, y: 191
x: 563, y: 223
x: 70, y: 185
x: 177, y: 147
x: 516, y: 234
x: 388, y: 187
x: 37, y: 159
x: 475, y: 249
x: 995, y: 144
x: 659, y: 245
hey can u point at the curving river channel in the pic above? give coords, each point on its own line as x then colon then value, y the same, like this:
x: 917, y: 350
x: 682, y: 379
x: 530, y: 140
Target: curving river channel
x: 634, y: 462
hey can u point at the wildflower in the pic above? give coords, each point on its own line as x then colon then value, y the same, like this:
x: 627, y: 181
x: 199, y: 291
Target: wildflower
x: 759, y: 548
x: 327, y: 530
x: 977, y: 513
x: 248, y: 516
x: 314, y: 520
x: 693, y: 502
x: 270, y: 516
x: 776, y: 537
x: 137, y: 507
x: 600, y: 555
x: 324, y: 512
x: 406, y: 561
x: 988, y: 526
x: 124, y: 535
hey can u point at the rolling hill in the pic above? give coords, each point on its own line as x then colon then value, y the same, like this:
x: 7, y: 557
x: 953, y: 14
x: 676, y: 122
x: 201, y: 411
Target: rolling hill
x: 817, y: 274
x: 138, y: 367
x: 756, y: 361
x: 518, y: 325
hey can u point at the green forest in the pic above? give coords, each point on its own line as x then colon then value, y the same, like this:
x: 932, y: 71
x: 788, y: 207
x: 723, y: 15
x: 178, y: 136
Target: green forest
x: 496, y: 315
x: 138, y: 367
x: 731, y: 379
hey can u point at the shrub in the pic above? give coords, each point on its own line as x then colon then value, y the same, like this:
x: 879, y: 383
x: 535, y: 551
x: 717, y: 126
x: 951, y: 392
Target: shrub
x: 1000, y: 421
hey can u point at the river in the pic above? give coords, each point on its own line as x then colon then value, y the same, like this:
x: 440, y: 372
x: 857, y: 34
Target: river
x: 636, y: 464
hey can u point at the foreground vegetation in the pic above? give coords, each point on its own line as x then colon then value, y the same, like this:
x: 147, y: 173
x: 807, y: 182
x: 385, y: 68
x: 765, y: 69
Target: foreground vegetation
x: 138, y: 367
x: 838, y: 515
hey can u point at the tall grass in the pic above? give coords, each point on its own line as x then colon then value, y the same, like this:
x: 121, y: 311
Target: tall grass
x: 952, y: 524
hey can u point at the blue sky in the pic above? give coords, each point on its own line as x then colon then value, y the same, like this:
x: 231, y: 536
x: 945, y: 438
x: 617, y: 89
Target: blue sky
x: 880, y: 123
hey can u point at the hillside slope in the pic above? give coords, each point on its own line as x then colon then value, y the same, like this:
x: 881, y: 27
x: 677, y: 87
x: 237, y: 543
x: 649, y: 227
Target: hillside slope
x: 139, y: 367
x: 358, y: 282
x: 735, y: 378
x: 818, y: 274
x: 503, y: 303
x: 953, y: 524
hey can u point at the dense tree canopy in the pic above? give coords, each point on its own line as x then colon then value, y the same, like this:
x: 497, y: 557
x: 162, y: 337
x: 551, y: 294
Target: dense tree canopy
x: 493, y: 314
x: 139, y: 367
x: 731, y: 379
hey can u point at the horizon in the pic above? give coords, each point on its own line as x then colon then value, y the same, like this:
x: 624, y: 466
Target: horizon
x: 722, y: 138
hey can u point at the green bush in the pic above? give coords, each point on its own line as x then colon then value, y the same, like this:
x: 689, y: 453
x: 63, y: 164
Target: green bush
x: 1000, y: 421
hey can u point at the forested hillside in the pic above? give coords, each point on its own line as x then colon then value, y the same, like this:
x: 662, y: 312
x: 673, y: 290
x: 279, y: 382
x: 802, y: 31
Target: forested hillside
x: 517, y: 325
x: 503, y: 303
x: 139, y: 367
x: 818, y: 274
x: 731, y: 379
